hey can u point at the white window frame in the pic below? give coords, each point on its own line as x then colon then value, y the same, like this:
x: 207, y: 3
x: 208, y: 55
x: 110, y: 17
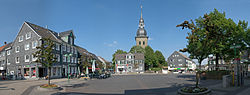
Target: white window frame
x: 68, y: 59
x: 57, y: 47
x: 58, y: 57
x: 75, y: 51
x: 68, y: 48
x: 28, y: 34
x: 34, y: 58
x: 75, y: 60
x: 27, y: 46
x: 17, y: 49
x: 72, y: 50
x: 64, y: 47
x: 7, y: 61
x: 25, y: 58
x: 34, y: 43
x: 64, y: 59
x: 20, y: 39
x: 8, y: 52
x: 72, y: 60
x: 17, y: 60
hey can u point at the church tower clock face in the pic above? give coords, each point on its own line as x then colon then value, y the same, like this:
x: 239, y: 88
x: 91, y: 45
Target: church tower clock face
x: 141, y: 34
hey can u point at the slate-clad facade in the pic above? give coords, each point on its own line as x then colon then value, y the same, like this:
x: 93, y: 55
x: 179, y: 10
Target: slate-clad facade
x: 21, y: 63
x: 179, y: 62
x: 125, y: 63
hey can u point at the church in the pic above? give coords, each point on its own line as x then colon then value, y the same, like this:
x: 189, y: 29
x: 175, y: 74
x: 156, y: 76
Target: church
x: 133, y: 62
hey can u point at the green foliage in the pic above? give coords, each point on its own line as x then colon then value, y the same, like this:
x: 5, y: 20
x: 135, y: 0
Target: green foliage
x: 45, y: 55
x: 156, y: 69
x: 137, y: 49
x: 150, y: 58
x: 160, y: 57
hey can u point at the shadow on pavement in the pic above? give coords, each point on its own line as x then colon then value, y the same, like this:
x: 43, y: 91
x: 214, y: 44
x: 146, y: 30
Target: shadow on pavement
x: 155, y: 91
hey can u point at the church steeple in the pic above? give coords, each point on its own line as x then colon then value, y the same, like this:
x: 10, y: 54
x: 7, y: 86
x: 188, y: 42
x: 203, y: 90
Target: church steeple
x: 141, y: 22
x: 141, y: 34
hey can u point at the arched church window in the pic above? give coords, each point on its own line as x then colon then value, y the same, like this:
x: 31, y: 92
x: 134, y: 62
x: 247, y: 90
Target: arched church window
x: 143, y: 42
x: 139, y: 42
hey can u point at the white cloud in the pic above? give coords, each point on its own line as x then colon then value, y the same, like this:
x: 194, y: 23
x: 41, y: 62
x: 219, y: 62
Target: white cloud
x: 113, y: 44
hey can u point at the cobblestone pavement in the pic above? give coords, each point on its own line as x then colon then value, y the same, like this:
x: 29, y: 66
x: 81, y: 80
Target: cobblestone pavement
x: 22, y: 87
x: 151, y: 84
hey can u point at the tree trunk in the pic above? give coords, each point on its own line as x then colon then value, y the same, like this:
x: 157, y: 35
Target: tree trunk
x: 49, y: 72
x: 217, y: 62
x: 198, y: 74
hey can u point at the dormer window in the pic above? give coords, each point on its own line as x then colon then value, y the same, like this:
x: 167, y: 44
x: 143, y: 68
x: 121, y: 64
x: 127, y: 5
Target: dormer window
x: 20, y: 38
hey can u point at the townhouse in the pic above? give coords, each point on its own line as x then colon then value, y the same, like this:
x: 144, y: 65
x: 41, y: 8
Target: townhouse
x: 179, y: 62
x: 19, y: 54
x: 130, y: 62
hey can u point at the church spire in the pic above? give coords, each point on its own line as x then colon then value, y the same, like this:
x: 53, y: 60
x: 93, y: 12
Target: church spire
x: 141, y: 11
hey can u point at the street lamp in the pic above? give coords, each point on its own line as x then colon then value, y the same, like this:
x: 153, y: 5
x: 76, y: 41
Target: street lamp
x: 68, y: 55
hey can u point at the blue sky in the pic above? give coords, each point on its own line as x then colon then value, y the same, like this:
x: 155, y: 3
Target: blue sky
x: 103, y: 26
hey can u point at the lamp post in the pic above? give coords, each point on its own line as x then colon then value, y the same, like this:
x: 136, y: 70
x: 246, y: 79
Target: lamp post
x: 236, y: 61
x: 68, y: 57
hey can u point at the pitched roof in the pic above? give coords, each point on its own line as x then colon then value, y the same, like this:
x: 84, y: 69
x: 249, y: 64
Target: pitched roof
x: 5, y: 46
x: 102, y: 59
x: 62, y: 34
x: 86, y: 53
x: 45, y: 33
x: 138, y: 56
x: 120, y: 56
x: 2, y: 47
x: 184, y: 56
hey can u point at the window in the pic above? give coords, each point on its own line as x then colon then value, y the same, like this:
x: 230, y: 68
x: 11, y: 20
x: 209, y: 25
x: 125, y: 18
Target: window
x: 27, y: 47
x: 8, y: 61
x: 63, y: 47
x: 179, y: 60
x: 28, y: 35
x: 72, y: 50
x: 75, y: 51
x: 64, y: 58
x: 143, y: 42
x: 139, y: 42
x: 26, y: 58
x: 8, y: 52
x: 34, y: 44
x: 75, y: 60
x: 34, y: 58
x: 20, y: 38
x: 17, y: 49
x: 72, y: 59
x: 58, y: 58
x: 57, y: 47
x: 68, y: 59
x: 17, y: 59
x: 68, y: 48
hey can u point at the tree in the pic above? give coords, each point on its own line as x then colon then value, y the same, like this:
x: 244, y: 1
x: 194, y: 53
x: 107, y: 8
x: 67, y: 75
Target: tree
x: 45, y: 55
x: 221, y: 33
x: 150, y: 58
x: 160, y: 57
x: 137, y: 49
x: 84, y: 62
x: 198, y: 44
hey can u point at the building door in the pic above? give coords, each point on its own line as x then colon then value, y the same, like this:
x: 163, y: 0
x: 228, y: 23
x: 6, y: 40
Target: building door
x: 41, y: 72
